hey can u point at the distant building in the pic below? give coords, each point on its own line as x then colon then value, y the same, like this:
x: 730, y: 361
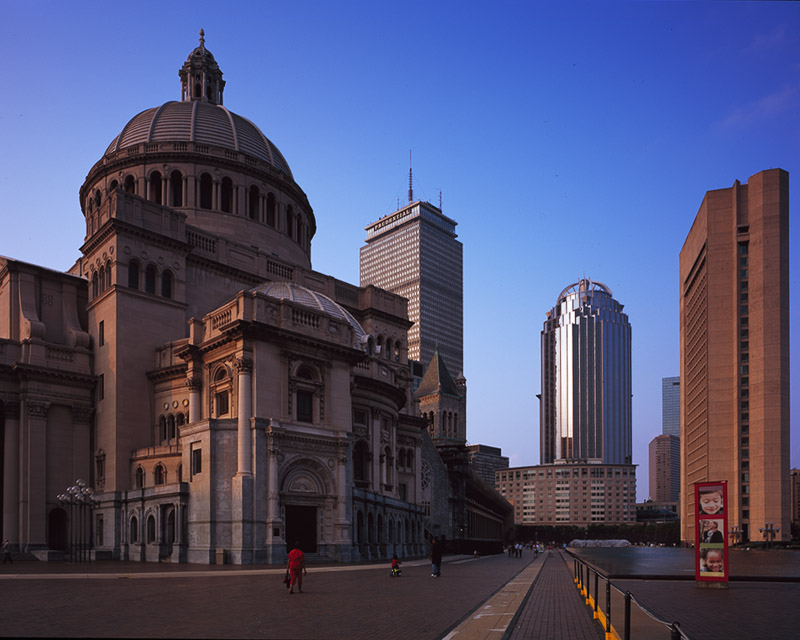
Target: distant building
x: 671, y: 406
x: 585, y: 409
x: 570, y: 494
x: 654, y: 511
x: 734, y: 328
x: 486, y: 460
x: 665, y: 472
x: 414, y: 252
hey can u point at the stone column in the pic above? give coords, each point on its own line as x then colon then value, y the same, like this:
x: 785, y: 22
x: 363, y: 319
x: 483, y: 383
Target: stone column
x: 242, y: 512
x: 11, y: 473
x: 244, y: 366
x: 343, y: 524
x: 276, y: 551
x: 194, y: 383
x: 33, y: 498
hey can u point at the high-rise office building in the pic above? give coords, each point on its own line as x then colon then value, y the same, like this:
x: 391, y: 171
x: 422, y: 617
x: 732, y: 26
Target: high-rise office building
x: 585, y: 410
x: 734, y: 327
x: 414, y: 252
x: 671, y: 406
x: 665, y: 470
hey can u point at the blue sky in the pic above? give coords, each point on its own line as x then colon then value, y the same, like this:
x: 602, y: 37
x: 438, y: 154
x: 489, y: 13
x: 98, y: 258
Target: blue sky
x: 566, y: 138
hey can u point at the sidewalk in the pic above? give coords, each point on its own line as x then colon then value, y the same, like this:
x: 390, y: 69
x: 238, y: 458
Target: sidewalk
x: 541, y: 603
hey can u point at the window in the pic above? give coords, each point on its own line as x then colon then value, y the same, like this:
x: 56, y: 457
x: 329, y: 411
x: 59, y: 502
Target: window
x: 130, y: 185
x: 305, y: 405
x: 226, y: 195
x: 155, y: 187
x: 134, y: 535
x: 150, y: 279
x: 133, y: 274
x: 176, y: 188
x: 206, y: 191
x: 160, y: 475
x: 139, y: 481
x: 151, y: 529
x: 197, y: 460
x: 166, y: 284
x: 253, y: 202
x: 221, y: 402
x: 271, y: 209
x: 101, y: 334
x: 101, y: 387
x: 361, y: 463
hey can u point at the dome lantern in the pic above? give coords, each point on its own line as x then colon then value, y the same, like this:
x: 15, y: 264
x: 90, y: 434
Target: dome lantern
x: 201, y: 78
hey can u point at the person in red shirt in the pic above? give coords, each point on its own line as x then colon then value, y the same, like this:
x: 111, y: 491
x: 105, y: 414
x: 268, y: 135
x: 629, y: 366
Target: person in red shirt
x: 296, y: 567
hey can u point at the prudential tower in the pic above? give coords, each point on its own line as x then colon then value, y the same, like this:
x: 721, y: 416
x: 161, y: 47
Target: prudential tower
x: 585, y: 410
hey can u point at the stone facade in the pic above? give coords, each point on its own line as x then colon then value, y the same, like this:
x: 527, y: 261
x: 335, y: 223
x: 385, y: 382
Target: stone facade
x: 222, y: 398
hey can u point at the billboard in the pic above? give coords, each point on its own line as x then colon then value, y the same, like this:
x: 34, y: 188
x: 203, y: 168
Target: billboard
x: 711, y: 523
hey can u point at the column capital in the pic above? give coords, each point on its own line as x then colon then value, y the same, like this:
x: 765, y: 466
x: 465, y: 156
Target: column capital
x: 37, y: 409
x: 194, y: 382
x: 244, y: 365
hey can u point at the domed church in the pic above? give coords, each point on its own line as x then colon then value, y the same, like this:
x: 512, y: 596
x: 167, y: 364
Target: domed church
x: 220, y: 397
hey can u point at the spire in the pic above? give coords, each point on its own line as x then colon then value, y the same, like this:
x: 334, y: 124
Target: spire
x: 410, y: 181
x: 201, y: 78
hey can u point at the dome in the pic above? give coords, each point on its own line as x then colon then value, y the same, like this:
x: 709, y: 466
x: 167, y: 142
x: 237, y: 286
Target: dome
x: 316, y: 301
x: 200, y: 123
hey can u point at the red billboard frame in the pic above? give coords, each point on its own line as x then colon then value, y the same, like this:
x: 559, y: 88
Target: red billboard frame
x: 711, y: 531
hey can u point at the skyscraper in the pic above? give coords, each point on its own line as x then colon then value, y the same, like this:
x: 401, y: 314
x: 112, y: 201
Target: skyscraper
x: 671, y: 406
x: 414, y: 252
x: 734, y: 319
x: 665, y: 470
x: 585, y: 410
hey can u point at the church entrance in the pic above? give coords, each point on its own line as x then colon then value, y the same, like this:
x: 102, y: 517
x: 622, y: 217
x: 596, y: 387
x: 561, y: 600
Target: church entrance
x: 301, y: 526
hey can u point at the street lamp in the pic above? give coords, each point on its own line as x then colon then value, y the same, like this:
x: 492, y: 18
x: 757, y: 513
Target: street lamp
x: 80, y: 501
x: 769, y: 532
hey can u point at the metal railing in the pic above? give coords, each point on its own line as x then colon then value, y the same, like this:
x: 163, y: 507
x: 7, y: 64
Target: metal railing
x: 586, y: 577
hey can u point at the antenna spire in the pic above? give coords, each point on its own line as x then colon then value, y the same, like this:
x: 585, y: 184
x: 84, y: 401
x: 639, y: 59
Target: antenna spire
x: 410, y: 180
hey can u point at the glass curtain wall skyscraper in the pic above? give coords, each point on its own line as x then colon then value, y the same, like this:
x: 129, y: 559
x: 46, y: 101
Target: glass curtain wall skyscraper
x: 671, y: 406
x: 414, y: 252
x: 585, y: 410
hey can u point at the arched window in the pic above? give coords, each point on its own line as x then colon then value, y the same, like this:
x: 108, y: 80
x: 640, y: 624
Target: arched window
x: 271, y: 209
x: 221, y: 389
x: 290, y: 221
x: 162, y: 429
x: 155, y: 187
x: 134, y: 535
x: 151, y: 529
x: 95, y: 289
x: 206, y: 191
x: 113, y: 186
x: 226, y: 195
x: 253, y: 202
x: 108, y: 274
x: 97, y: 198
x: 101, y: 279
x: 139, y: 478
x: 130, y: 185
x: 133, y: 274
x: 180, y: 420
x: 166, y: 284
x: 150, y: 279
x: 160, y: 475
x: 171, y: 427
x: 176, y: 188
x: 198, y: 89
x: 169, y: 534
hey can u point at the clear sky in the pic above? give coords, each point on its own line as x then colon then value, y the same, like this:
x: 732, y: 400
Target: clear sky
x: 568, y: 139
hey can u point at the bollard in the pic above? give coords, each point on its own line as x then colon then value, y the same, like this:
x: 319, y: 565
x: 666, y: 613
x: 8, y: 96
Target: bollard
x: 627, y: 634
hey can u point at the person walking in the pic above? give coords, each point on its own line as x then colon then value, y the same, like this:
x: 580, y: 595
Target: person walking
x: 7, y: 552
x: 296, y: 567
x: 436, y: 557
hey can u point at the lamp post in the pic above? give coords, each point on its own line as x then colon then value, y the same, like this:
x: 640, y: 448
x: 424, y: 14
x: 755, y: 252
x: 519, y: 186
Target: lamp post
x: 769, y: 532
x: 736, y: 534
x: 80, y: 501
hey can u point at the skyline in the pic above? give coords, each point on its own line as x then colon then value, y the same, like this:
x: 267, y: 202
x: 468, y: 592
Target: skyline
x: 556, y: 133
